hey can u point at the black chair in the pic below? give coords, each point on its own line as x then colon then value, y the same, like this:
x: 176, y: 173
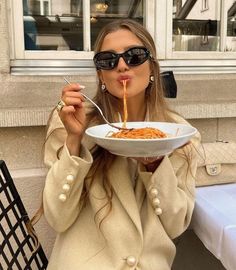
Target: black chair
x: 169, y: 84
x: 17, y: 245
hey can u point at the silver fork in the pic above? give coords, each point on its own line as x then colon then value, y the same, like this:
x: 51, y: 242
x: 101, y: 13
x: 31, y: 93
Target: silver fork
x: 99, y: 109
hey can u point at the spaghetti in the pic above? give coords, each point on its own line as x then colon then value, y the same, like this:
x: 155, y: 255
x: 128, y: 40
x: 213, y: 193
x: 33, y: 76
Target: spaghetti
x: 125, y: 104
x: 135, y: 133
x: 139, y: 133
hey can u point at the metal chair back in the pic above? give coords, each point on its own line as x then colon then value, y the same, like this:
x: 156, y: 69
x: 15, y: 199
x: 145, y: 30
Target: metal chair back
x: 17, y: 246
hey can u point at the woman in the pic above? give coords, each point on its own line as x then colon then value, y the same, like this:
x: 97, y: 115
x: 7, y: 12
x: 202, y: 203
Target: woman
x: 112, y: 212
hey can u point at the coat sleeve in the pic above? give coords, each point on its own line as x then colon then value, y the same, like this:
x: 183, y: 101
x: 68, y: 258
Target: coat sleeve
x: 174, y: 182
x: 64, y: 180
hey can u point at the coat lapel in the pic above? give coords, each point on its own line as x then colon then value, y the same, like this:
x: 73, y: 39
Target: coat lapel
x: 120, y: 180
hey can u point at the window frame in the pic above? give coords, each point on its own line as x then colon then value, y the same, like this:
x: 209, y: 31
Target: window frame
x: 72, y: 62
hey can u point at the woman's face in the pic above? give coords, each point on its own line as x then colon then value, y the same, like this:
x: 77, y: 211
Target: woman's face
x: 137, y: 76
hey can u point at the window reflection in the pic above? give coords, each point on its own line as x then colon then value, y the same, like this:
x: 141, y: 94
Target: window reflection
x: 58, y: 25
x: 195, y: 28
x: 114, y: 9
x: 196, y: 25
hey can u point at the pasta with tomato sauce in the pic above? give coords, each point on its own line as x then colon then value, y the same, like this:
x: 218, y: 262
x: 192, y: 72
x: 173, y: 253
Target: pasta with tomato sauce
x: 135, y: 133
x: 139, y: 133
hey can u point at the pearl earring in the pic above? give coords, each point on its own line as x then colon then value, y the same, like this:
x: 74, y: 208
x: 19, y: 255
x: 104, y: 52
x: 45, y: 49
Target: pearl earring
x: 103, y: 87
x: 151, y: 78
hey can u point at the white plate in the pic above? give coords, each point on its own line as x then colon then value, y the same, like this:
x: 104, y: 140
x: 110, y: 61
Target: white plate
x: 142, y: 147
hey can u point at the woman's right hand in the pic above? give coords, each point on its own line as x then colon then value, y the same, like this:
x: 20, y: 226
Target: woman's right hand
x: 73, y: 116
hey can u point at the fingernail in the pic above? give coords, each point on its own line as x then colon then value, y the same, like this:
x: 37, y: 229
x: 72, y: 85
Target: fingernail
x: 81, y: 86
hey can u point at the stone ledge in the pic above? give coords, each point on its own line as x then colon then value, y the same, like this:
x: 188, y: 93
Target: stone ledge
x: 22, y: 117
x: 28, y: 173
x: 201, y: 110
x: 19, y: 117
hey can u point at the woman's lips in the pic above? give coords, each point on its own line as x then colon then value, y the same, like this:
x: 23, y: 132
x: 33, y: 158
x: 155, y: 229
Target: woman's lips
x: 123, y: 78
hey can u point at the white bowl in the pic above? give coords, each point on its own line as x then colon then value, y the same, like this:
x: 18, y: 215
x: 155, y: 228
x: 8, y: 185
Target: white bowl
x: 178, y: 135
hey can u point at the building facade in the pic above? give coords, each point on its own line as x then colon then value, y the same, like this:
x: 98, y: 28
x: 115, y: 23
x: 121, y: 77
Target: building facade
x: 31, y: 85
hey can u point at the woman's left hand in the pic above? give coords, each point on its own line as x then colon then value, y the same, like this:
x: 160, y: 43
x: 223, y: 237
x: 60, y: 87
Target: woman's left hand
x: 151, y: 163
x: 147, y: 160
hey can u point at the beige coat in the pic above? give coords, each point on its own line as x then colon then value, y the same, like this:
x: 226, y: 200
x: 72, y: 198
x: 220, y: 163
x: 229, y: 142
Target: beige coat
x: 138, y: 232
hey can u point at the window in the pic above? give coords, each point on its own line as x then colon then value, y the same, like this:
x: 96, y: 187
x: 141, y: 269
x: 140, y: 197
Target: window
x: 70, y: 25
x: 64, y: 31
x: 213, y: 30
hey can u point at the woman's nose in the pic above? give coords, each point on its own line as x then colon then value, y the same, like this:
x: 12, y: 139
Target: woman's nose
x: 122, y: 66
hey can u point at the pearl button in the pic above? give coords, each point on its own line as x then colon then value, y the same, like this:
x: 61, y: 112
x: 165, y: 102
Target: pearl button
x: 66, y: 187
x: 158, y: 211
x: 155, y: 202
x: 62, y: 197
x: 131, y: 261
x: 153, y: 192
x: 70, y: 178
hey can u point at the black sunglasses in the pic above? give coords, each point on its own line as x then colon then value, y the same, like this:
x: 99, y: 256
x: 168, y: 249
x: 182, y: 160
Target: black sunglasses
x: 133, y: 57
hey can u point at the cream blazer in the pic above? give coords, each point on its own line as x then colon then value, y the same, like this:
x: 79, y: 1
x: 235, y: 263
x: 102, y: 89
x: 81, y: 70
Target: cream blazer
x: 144, y: 219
